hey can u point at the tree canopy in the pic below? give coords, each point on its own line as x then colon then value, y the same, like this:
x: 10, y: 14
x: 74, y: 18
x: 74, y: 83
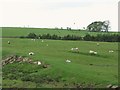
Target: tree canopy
x: 99, y: 26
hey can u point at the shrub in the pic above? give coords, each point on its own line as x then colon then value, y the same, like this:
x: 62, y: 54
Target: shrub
x: 32, y: 35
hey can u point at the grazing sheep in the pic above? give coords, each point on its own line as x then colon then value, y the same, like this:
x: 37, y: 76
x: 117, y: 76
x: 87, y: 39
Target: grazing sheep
x: 8, y: 42
x: 98, y: 44
x: 72, y: 49
x: 33, y: 39
x: 31, y: 53
x: 75, y: 49
x: 111, y: 51
x: 68, y: 61
x: 93, y: 52
x: 39, y: 63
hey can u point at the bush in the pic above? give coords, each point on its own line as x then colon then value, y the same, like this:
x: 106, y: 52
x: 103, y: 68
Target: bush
x: 72, y: 37
x: 22, y: 36
x: 103, y: 38
x: 32, y: 35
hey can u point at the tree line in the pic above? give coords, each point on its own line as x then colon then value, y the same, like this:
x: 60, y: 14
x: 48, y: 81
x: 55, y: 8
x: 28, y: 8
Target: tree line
x: 87, y: 37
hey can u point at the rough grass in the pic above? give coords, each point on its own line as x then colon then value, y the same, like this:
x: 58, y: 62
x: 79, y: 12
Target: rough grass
x: 103, y: 71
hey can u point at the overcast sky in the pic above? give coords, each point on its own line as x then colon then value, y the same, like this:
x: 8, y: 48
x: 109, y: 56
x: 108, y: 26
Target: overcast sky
x: 58, y: 13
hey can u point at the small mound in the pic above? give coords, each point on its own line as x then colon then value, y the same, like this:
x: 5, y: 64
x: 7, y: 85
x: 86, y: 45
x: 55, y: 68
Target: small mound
x: 21, y: 59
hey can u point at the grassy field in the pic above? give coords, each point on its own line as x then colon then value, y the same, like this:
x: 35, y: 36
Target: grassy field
x: 102, y: 72
x: 85, y: 70
x: 6, y: 31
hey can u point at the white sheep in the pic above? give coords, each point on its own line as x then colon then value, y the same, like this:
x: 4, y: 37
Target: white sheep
x: 33, y: 39
x: 93, y: 52
x: 74, y: 49
x: 111, y: 51
x: 98, y: 44
x: 31, y: 53
x: 8, y: 42
x: 68, y: 61
x: 39, y: 63
x: 42, y: 40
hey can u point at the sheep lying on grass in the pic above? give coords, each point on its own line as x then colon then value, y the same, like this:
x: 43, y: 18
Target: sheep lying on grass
x: 37, y: 62
x: 68, y: 61
x: 92, y: 52
x: 31, y: 53
x: 111, y: 51
x: 75, y: 49
x: 95, y: 53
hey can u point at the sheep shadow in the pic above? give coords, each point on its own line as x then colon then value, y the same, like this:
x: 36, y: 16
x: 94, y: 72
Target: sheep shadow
x: 88, y: 54
x: 107, y: 65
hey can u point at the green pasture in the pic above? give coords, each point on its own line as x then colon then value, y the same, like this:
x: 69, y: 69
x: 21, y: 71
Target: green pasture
x: 102, y: 72
x: 12, y: 31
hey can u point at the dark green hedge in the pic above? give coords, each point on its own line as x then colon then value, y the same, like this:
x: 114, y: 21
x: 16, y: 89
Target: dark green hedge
x: 88, y: 37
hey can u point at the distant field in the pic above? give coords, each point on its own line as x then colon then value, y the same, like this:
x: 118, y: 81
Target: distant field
x: 102, y: 72
x: 9, y: 31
